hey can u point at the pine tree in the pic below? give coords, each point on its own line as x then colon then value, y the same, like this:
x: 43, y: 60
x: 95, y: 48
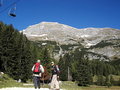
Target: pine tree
x: 47, y: 60
x: 83, y: 73
x: 111, y: 80
x: 107, y: 82
x: 119, y: 82
x: 17, y: 53
x: 26, y: 60
x: 100, y: 80
x: 1, y: 29
x: 63, y: 70
x: 12, y: 61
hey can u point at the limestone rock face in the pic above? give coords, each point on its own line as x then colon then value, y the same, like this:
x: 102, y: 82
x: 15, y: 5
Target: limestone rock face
x: 103, y: 41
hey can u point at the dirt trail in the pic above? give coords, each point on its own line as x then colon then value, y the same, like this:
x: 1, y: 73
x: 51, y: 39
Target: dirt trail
x: 21, y: 88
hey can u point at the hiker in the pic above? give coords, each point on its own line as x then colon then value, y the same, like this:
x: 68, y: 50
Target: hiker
x: 37, y: 71
x: 55, y: 77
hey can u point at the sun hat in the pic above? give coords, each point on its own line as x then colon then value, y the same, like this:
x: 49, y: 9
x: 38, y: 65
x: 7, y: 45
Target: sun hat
x: 38, y: 61
x: 52, y: 62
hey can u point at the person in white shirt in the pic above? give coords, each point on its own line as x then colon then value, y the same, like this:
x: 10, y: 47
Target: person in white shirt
x: 37, y: 71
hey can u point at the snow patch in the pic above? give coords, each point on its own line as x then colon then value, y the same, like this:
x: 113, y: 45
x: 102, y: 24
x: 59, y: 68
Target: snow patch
x: 90, y: 44
x: 44, y: 43
x: 85, y: 36
x: 33, y: 35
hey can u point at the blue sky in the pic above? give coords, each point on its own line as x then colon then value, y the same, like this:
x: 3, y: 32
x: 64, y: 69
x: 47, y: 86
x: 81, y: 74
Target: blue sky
x: 75, y: 13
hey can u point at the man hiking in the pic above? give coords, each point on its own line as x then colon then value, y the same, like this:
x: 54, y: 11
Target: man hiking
x: 37, y: 71
x: 55, y: 77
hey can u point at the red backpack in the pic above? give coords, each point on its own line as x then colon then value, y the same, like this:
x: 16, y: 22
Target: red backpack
x: 37, y: 68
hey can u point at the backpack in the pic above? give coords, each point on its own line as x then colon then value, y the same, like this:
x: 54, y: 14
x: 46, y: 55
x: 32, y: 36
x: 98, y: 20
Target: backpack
x: 37, y: 68
x: 55, y: 69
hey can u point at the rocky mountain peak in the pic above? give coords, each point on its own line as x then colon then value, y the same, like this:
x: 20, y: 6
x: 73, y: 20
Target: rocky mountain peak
x: 64, y: 34
x: 101, y: 41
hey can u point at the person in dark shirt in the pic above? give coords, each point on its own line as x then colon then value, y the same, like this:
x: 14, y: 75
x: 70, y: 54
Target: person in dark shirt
x: 55, y: 77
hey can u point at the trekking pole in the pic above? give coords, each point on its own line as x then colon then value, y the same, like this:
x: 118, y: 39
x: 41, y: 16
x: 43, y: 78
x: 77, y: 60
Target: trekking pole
x: 43, y: 81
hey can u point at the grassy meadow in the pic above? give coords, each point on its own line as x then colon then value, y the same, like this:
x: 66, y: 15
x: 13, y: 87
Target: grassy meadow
x: 6, y: 81
x: 68, y: 85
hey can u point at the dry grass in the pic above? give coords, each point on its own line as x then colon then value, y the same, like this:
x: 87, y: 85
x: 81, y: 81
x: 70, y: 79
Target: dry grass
x: 67, y: 85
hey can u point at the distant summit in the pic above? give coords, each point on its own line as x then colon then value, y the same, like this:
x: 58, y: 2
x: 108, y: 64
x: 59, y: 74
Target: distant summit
x: 100, y: 43
x: 64, y: 34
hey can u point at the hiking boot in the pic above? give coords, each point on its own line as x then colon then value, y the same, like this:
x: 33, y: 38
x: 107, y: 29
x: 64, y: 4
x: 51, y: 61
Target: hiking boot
x: 35, y: 88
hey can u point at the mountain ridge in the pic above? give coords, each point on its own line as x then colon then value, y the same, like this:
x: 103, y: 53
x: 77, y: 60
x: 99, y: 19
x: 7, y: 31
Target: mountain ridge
x: 73, y: 37
x: 61, y: 33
